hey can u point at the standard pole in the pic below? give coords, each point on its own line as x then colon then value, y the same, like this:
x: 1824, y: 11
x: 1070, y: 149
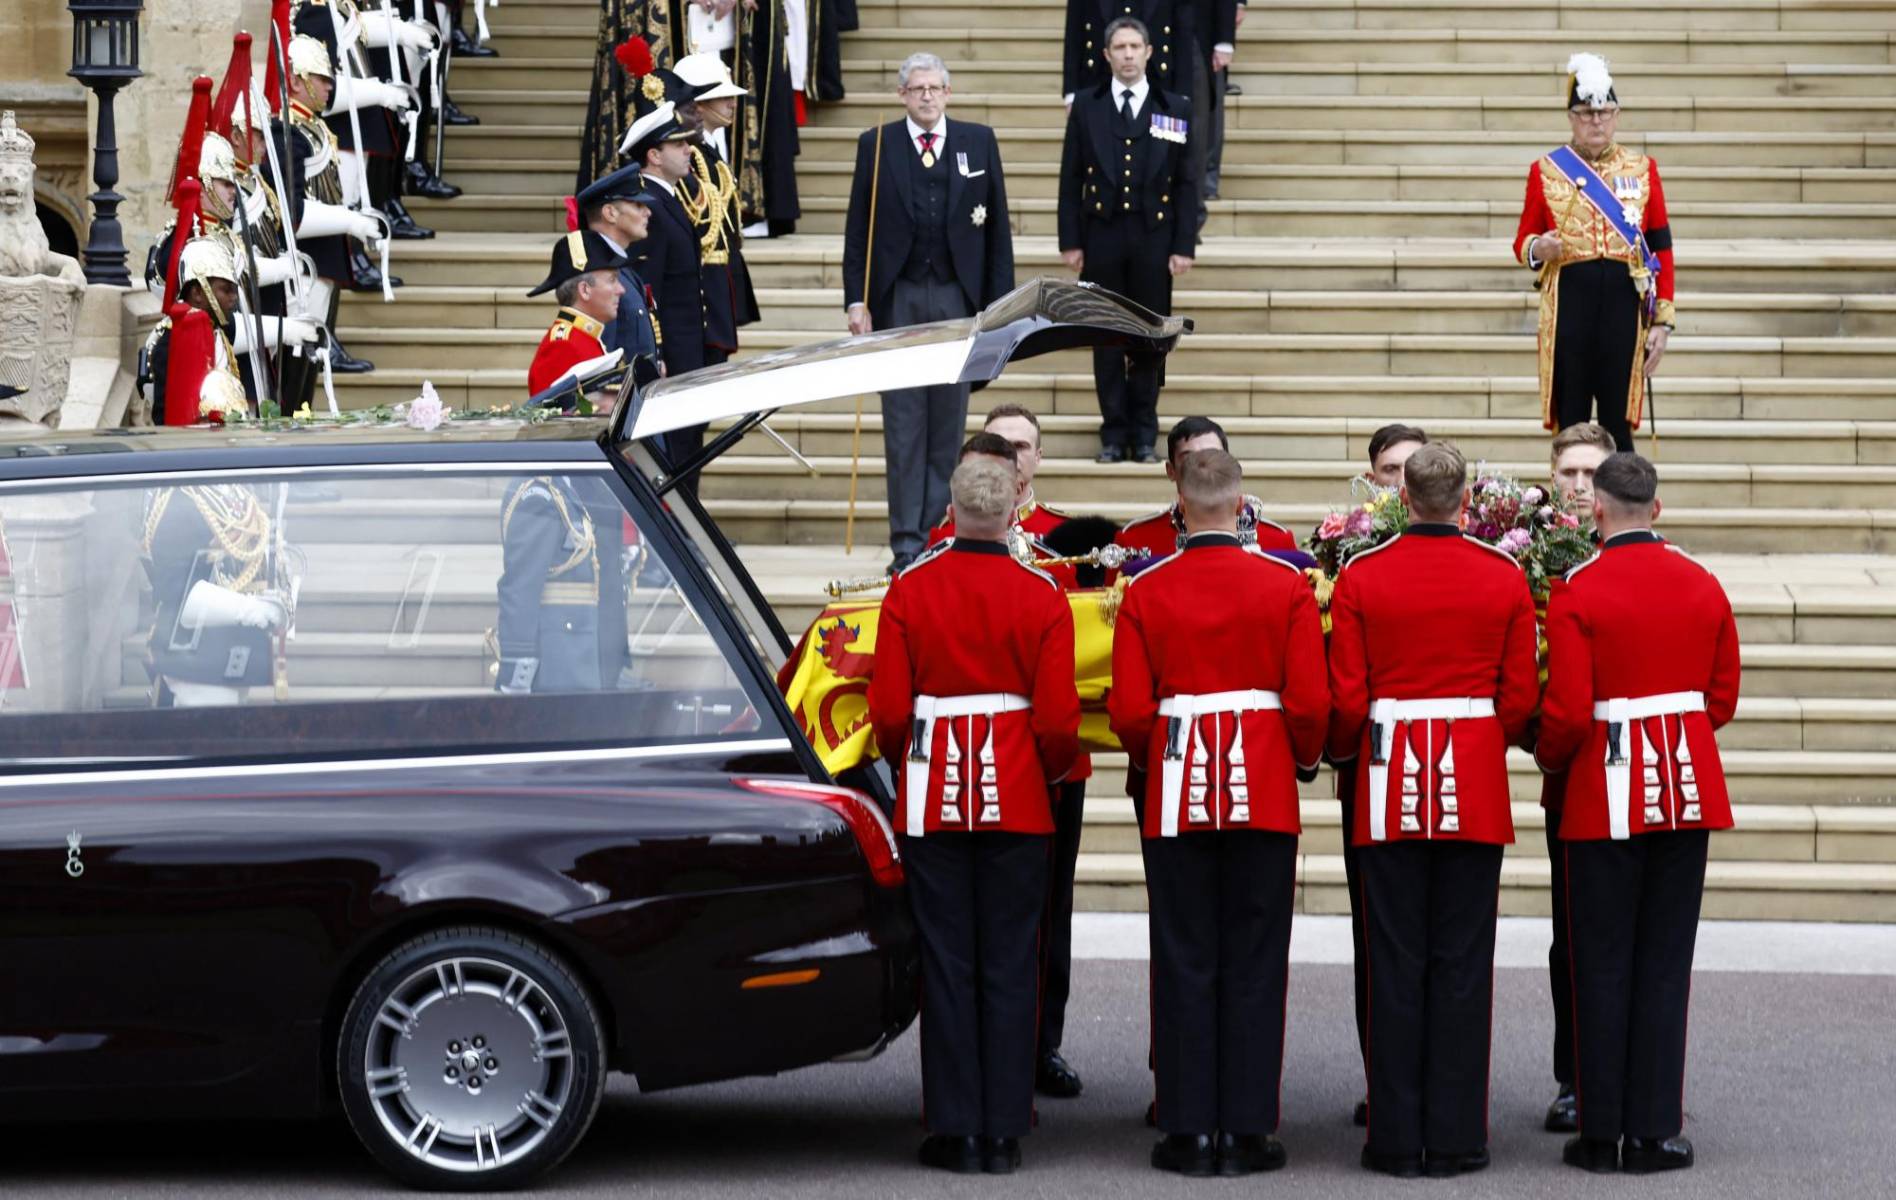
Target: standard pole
x: 868, y: 263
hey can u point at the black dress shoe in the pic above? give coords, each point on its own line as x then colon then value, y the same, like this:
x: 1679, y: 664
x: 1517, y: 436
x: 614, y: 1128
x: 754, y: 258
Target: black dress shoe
x: 1402, y: 1166
x: 1563, y: 1115
x: 402, y: 223
x: 1191, y: 1154
x: 1145, y: 454
x: 463, y: 46
x: 946, y: 1152
x: 1360, y: 1117
x: 1596, y: 1156
x: 1110, y: 454
x: 452, y: 114
x: 1054, y: 1077
x: 1000, y: 1156
x: 1249, y: 1153
x: 1152, y: 1114
x: 420, y: 181
x: 1643, y: 1156
x: 344, y: 363
x: 1447, y: 1166
x: 364, y: 275
x: 1232, y: 89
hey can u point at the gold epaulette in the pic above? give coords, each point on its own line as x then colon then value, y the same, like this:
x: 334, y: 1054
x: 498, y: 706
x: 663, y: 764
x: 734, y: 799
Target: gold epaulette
x: 561, y: 331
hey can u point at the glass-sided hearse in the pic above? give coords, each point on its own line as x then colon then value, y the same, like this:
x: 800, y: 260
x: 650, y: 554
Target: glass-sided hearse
x: 433, y: 775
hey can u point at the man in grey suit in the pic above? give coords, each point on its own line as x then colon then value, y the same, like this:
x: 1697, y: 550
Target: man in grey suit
x: 942, y: 250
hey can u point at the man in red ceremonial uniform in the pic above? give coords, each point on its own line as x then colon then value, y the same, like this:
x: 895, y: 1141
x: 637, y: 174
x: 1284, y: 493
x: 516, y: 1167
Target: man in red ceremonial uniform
x: 1595, y: 233
x: 585, y: 280
x: 973, y: 696
x: 1163, y: 532
x: 1432, y: 677
x: 1642, y: 668
x: 1219, y: 695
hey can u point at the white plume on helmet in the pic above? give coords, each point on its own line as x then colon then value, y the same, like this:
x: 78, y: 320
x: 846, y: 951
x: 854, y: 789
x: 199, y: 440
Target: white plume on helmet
x: 1591, y: 81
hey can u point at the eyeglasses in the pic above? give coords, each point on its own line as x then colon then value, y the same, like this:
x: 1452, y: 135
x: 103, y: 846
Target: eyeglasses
x: 926, y: 89
x: 1595, y: 116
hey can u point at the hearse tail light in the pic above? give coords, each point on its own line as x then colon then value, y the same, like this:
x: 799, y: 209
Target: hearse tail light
x: 874, y: 835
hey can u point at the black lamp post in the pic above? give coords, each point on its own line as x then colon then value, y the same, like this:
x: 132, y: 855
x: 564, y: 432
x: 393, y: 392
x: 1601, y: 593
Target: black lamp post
x: 105, y: 59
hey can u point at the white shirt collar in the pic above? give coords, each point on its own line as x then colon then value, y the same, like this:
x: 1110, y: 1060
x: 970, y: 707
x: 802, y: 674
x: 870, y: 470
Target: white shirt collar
x: 1139, y: 92
x: 915, y: 133
x: 611, y: 241
x: 670, y: 190
x: 715, y: 138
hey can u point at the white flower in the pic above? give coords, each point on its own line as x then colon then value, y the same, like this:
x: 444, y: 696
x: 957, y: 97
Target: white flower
x: 426, y: 410
x: 980, y: 215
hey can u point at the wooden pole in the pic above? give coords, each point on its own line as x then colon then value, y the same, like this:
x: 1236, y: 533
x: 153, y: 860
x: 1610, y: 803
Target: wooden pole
x: 868, y: 262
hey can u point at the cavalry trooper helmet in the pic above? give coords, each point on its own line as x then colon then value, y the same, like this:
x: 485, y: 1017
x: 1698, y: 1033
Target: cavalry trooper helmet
x: 309, y: 57
x: 203, y: 259
x: 217, y: 161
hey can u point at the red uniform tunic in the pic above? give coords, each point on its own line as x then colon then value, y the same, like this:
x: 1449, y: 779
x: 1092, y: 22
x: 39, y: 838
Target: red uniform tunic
x: 1163, y: 532
x: 1640, y: 619
x: 969, y: 620
x: 572, y: 338
x: 1219, y: 618
x: 1432, y: 616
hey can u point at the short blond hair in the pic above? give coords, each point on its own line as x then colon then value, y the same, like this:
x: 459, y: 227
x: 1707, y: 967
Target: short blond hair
x: 983, y: 493
x: 1587, y: 433
x: 1210, y: 479
x: 1436, y: 476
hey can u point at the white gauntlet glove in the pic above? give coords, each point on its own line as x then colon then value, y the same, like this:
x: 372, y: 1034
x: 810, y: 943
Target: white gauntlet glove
x: 280, y: 269
x: 210, y: 605
x: 367, y: 93
x: 277, y: 332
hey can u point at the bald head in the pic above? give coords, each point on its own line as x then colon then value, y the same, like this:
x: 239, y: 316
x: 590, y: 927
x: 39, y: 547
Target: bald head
x: 1210, y: 489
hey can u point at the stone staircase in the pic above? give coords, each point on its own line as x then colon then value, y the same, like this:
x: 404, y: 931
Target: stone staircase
x: 1356, y: 270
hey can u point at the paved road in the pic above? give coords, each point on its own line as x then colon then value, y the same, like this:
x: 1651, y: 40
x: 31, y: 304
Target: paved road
x: 1774, y: 1114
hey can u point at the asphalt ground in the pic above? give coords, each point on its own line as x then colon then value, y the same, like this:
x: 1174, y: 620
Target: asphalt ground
x: 1791, y: 1092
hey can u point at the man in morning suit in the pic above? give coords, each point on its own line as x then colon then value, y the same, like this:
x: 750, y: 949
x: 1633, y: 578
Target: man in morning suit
x: 941, y: 250
x: 1127, y: 214
x: 1642, y: 668
x: 973, y: 696
x: 1432, y: 678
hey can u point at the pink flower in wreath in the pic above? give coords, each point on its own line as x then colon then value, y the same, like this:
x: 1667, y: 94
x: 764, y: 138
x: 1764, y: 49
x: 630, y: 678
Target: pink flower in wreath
x: 1569, y: 520
x: 1533, y: 496
x: 1358, y: 524
x: 1514, y: 541
x: 1333, y: 527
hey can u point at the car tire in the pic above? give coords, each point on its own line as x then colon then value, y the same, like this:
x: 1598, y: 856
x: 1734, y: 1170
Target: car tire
x: 470, y: 1059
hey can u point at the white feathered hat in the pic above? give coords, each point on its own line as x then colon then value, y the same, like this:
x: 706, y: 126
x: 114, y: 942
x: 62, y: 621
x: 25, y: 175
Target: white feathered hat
x: 1589, y: 83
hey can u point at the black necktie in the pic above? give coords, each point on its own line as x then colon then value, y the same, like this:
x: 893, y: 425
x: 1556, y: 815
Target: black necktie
x: 1125, y: 105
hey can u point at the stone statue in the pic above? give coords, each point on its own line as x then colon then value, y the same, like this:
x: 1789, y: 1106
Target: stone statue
x: 39, y: 293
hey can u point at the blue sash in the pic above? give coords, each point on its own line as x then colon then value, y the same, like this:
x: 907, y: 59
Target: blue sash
x: 1601, y: 197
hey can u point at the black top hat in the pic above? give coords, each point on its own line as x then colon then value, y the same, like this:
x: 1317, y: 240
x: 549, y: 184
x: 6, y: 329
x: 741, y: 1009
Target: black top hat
x: 576, y: 254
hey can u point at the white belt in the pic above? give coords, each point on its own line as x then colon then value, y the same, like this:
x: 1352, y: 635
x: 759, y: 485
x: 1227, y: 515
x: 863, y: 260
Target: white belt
x: 1618, y: 715
x: 1185, y: 711
x: 1384, y: 716
x: 920, y: 762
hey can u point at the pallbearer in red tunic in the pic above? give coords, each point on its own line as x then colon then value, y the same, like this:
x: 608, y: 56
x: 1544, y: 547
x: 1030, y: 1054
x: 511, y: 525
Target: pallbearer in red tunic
x: 1219, y: 695
x: 1595, y: 232
x: 973, y: 698
x: 1642, y: 667
x: 1432, y: 677
x: 584, y: 278
x: 1163, y: 532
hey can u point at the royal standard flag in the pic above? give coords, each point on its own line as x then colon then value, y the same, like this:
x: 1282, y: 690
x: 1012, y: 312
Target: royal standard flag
x: 826, y: 680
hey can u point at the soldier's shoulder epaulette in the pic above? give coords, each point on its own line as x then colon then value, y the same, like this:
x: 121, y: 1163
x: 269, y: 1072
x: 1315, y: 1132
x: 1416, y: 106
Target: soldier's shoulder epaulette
x: 560, y: 330
x: 1495, y: 550
x: 1579, y: 567
x: 1360, y: 555
x: 1153, y: 568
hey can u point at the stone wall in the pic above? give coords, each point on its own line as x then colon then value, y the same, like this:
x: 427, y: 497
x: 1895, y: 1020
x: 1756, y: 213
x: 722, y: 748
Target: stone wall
x: 178, y: 40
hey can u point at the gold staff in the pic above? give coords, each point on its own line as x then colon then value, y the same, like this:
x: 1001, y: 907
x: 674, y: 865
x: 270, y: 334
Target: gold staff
x: 868, y: 261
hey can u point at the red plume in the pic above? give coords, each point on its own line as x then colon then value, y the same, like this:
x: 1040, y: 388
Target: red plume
x: 278, y: 49
x: 233, y: 91
x: 635, y: 55
x: 572, y: 213
x: 190, y: 355
x: 187, y: 201
x: 191, y: 143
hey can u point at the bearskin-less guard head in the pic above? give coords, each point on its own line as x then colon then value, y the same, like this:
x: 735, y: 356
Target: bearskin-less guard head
x: 576, y: 254
x: 1589, y: 83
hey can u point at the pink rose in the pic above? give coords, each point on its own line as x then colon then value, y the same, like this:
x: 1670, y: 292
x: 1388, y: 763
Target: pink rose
x: 1359, y: 523
x: 1332, y: 527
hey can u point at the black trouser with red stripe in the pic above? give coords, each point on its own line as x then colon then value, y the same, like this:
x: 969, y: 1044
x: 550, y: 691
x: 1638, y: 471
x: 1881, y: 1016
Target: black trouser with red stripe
x: 1056, y: 923
x: 1633, y: 914
x: 1221, y: 905
x: 1429, y: 912
x: 977, y: 899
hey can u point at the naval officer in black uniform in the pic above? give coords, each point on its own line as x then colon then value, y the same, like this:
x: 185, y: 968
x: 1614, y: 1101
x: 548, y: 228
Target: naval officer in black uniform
x: 619, y: 209
x: 942, y: 250
x: 1128, y: 205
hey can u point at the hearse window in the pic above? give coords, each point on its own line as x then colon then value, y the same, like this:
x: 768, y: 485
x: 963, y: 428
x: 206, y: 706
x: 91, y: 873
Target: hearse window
x: 236, y: 617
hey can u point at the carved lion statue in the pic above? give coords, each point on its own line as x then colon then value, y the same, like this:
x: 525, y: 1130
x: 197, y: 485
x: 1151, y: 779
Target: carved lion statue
x: 23, y: 246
